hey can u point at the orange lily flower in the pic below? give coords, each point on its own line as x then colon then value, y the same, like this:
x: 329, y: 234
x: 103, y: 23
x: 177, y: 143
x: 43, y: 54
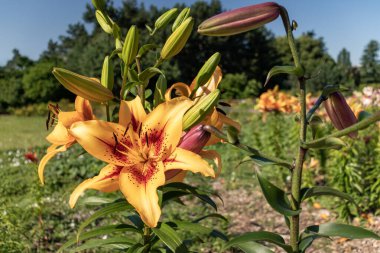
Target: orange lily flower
x: 139, y: 150
x: 215, y: 118
x: 60, y: 137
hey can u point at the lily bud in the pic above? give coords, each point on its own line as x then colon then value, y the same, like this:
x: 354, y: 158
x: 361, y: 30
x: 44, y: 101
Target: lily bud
x: 165, y: 18
x: 202, y: 108
x: 107, y: 78
x: 83, y: 86
x: 104, y: 21
x: 240, y: 20
x: 177, y: 40
x: 131, y: 45
x: 183, y: 15
x: 207, y: 70
x: 340, y: 113
x: 194, y: 141
x: 99, y: 4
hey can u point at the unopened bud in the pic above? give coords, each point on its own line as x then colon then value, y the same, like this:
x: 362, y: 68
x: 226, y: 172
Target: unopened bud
x: 104, y: 21
x: 177, y: 40
x: 165, y: 18
x: 340, y: 112
x: 131, y: 45
x: 83, y: 86
x: 202, y: 108
x: 99, y: 4
x: 107, y: 78
x: 240, y: 20
x: 183, y: 15
x: 207, y: 70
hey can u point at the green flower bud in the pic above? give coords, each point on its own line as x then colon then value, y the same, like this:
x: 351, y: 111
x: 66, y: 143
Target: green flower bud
x: 177, y: 40
x: 165, y: 18
x: 99, y: 4
x: 183, y: 15
x: 340, y: 112
x: 131, y: 45
x: 202, y: 108
x: 83, y: 86
x: 107, y: 78
x: 104, y: 21
x: 240, y: 20
x: 207, y: 70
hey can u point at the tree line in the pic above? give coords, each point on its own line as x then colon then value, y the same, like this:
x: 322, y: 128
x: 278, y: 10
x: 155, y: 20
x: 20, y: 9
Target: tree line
x: 24, y: 81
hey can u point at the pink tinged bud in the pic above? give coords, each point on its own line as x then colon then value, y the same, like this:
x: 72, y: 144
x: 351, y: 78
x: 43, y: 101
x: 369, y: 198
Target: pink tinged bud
x: 340, y: 112
x: 194, y: 141
x: 240, y: 20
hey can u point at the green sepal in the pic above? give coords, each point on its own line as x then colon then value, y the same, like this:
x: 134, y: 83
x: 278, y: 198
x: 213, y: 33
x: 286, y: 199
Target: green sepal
x: 276, y: 197
x: 290, y: 70
x: 325, y: 143
x: 182, y: 16
x: 259, y: 236
x: 164, y: 19
x: 130, y: 46
x: 104, y: 21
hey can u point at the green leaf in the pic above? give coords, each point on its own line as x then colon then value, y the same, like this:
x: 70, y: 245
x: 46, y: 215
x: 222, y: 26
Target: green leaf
x: 323, y: 190
x: 212, y: 215
x: 96, y: 243
x: 104, y: 230
x: 325, y: 143
x: 259, y: 236
x: 159, y: 92
x: 136, y: 220
x: 276, y: 197
x: 170, y: 238
x: 127, y: 88
x: 145, y: 49
x: 291, y: 70
x: 111, y: 208
x: 263, y: 161
x: 342, y: 230
x: 137, y: 248
x: 253, y: 247
x: 199, y: 229
x: 149, y: 73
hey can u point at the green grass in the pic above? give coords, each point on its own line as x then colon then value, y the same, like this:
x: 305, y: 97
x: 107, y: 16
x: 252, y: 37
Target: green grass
x: 22, y: 132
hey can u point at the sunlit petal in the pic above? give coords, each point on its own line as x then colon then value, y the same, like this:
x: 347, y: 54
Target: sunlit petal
x: 139, y: 185
x: 45, y: 159
x: 60, y: 135
x: 181, y: 88
x: 106, y: 181
x: 215, y: 156
x: 83, y: 107
x: 69, y: 118
x: 103, y: 140
x: 187, y: 160
x: 163, y: 126
x: 131, y: 112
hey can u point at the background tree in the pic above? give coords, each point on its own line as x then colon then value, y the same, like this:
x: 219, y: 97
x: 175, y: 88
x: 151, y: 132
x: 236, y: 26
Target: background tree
x: 370, y: 69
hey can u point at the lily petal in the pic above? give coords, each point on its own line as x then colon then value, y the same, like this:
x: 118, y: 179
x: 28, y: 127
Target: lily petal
x: 187, y: 160
x: 106, y: 181
x: 182, y: 88
x: 46, y: 158
x: 60, y: 135
x: 163, y: 126
x: 83, y: 107
x: 174, y: 176
x: 69, y: 118
x: 139, y: 186
x: 131, y: 112
x: 215, y: 156
x: 210, y: 86
x: 98, y: 138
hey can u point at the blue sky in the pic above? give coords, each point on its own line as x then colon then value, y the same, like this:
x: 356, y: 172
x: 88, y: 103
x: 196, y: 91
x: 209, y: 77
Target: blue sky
x: 29, y: 24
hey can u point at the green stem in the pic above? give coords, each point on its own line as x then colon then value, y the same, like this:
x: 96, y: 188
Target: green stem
x: 247, y: 148
x: 314, y: 108
x: 297, y: 172
x: 147, y: 238
x: 355, y: 127
x: 141, y: 88
x: 108, y: 112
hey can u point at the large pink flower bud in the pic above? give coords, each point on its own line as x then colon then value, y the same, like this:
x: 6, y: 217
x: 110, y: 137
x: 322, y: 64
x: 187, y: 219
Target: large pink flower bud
x: 194, y: 141
x: 240, y: 20
x: 340, y: 112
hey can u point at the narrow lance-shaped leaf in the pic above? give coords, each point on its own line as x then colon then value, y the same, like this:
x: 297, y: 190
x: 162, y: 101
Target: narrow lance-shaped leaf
x: 324, y: 190
x: 325, y: 143
x: 276, y: 197
x: 170, y: 238
x: 290, y: 70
